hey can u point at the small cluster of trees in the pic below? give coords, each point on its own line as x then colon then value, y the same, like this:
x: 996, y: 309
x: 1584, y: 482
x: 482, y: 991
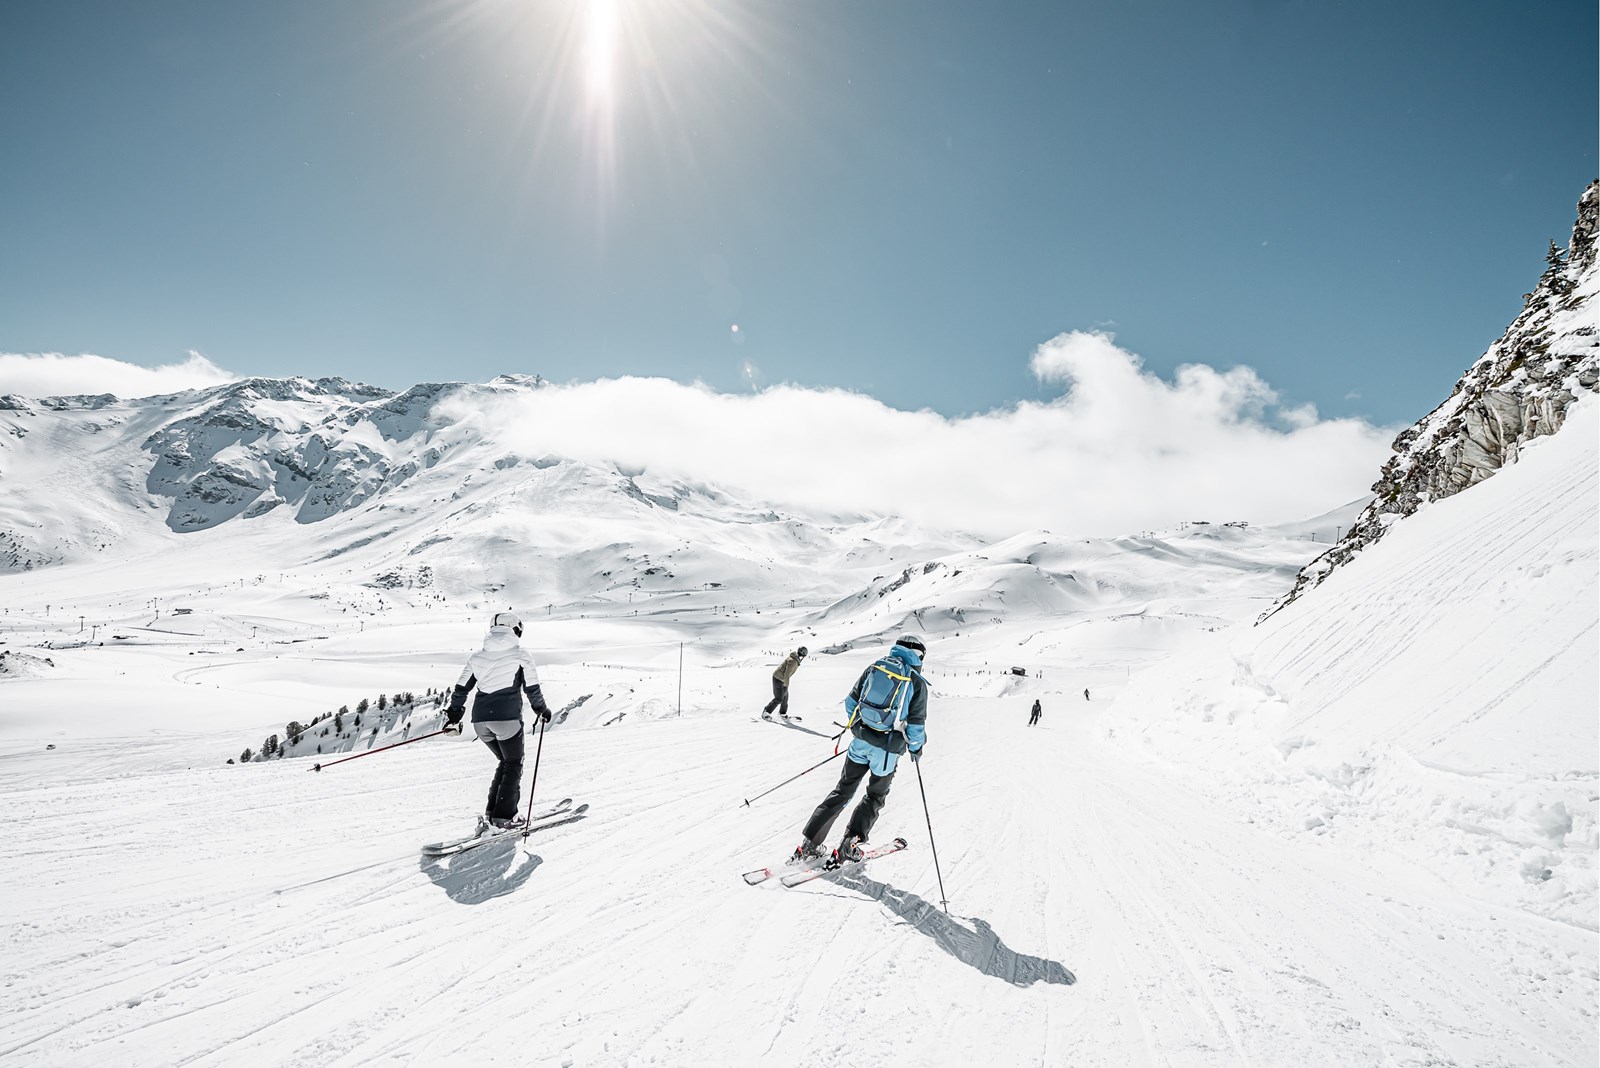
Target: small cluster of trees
x: 1554, y: 280
x: 294, y: 730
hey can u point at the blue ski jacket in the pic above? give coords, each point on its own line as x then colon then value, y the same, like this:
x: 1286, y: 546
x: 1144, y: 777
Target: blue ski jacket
x: 878, y: 738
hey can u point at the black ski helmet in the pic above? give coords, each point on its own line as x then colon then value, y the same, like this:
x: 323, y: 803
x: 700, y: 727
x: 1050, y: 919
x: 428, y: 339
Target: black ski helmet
x: 801, y: 652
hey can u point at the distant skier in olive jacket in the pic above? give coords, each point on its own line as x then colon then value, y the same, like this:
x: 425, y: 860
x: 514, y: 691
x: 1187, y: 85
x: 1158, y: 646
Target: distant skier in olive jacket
x: 1034, y: 719
x: 888, y: 715
x: 780, y: 684
x: 503, y: 672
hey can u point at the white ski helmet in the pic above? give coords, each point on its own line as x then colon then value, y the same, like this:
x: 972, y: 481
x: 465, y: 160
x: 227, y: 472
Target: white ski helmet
x: 507, y: 619
x: 912, y: 642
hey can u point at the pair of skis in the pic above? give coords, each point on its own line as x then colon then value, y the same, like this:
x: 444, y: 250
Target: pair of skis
x: 816, y: 871
x: 557, y: 814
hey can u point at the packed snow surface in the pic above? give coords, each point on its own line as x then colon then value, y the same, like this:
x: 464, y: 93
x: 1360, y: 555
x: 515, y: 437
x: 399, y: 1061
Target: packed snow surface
x: 1361, y: 834
x: 1437, y: 699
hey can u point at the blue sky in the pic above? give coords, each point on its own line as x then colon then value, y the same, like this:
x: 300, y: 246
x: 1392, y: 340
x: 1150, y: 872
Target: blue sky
x: 901, y: 198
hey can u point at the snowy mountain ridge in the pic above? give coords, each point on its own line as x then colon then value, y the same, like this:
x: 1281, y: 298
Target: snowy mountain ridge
x: 1519, y: 390
x: 298, y: 472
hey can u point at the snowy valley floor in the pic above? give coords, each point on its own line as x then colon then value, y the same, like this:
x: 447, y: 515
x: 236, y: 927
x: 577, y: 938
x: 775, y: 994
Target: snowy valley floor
x: 1101, y: 914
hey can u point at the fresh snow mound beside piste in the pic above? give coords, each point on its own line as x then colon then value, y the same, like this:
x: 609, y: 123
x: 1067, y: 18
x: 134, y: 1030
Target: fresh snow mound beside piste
x: 1435, y: 698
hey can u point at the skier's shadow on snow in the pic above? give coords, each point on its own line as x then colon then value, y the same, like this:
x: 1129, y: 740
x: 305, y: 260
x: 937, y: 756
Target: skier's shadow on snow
x: 481, y: 874
x: 977, y: 946
x: 807, y: 730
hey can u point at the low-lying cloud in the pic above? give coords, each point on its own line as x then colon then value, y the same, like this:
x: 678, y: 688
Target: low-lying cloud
x: 1121, y: 449
x: 52, y: 374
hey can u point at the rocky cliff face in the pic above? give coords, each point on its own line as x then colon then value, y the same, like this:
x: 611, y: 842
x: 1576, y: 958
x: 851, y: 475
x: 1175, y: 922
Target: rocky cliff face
x: 253, y: 445
x: 1517, y: 391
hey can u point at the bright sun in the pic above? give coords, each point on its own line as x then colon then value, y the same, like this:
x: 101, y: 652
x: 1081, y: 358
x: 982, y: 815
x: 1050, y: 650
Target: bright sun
x: 586, y: 74
x: 600, y: 47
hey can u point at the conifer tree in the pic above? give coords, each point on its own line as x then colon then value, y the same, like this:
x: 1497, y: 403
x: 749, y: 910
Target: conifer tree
x: 1554, y: 257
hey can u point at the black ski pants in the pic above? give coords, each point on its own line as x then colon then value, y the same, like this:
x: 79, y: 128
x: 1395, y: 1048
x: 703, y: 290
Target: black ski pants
x: 866, y: 813
x: 780, y: 698
x: 505, y: 789
x: 1032, y: 719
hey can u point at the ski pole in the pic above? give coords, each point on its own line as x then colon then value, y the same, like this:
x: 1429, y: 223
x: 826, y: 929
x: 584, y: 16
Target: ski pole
x: 942, y: 899
x: 369, y: 752
x: 538, y: 751
x: 792, y: 778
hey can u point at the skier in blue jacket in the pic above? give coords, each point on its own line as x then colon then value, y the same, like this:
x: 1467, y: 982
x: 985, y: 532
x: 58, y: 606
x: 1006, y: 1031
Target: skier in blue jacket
x: 503, y: 672
x: 888, y: 710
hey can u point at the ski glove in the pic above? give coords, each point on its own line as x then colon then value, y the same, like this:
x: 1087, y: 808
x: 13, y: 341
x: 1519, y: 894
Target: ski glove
x: 454, y: 715
x: 453, y: 728
x: 916, y: 756
x: 544, y: 714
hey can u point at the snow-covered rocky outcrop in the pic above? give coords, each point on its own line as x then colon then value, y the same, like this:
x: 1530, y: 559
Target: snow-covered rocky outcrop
x: 1517, y: 391
x: 248, y: 447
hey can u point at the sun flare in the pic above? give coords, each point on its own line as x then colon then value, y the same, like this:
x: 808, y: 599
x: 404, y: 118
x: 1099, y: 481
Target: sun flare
x: 600, y: 48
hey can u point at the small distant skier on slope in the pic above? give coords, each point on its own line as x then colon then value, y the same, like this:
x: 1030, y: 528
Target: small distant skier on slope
x: 780, y: 684
x: 888, y: 711
x: 502, y: 671
x: 1034, y: 718
x: 1086, y: 693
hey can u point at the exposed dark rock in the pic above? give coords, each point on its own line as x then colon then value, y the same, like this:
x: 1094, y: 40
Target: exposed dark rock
x: 1517, y: 391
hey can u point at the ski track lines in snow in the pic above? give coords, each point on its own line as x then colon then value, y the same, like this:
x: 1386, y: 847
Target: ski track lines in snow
x: 262, y: 914
x: 1529, y: 520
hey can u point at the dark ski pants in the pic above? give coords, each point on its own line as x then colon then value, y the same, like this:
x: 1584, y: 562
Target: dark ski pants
x: 780, y: 698
x: 1034, y: 718
x: 866, y: 813
x: 504, y: 739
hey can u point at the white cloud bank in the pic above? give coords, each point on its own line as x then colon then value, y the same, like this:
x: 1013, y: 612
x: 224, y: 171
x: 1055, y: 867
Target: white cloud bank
x: 1120, y: 450
x: 52, y: 374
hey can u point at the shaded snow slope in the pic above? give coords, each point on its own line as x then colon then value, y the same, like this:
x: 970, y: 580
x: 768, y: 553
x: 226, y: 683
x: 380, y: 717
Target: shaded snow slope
x: 1437, y: 697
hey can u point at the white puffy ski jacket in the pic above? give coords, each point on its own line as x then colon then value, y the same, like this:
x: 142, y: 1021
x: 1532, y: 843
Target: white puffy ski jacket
x: 502, y: 671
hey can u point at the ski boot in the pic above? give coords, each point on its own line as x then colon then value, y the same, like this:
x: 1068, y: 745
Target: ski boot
x: 849, y: 850
x: 513, y: 824
x: 807, y: 852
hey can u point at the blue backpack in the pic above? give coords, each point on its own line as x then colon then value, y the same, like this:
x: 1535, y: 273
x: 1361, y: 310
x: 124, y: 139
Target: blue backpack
x: 883, y: 699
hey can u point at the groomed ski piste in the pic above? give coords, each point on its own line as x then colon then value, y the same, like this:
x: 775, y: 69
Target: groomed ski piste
x: 1361, y: 833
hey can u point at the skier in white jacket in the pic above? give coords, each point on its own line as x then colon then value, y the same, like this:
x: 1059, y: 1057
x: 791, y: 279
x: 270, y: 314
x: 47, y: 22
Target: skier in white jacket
x: 502, y: 671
